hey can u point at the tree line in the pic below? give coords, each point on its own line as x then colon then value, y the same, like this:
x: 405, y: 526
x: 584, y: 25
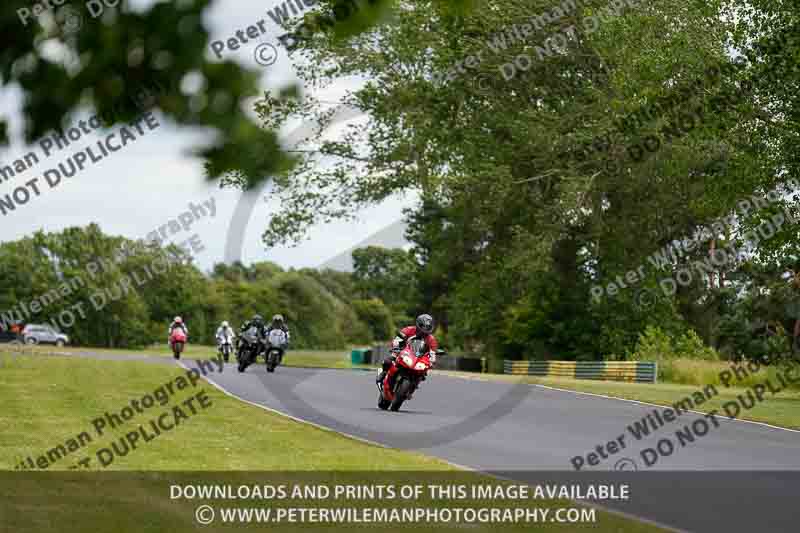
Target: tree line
x: 113, y: 292
x: 527, y: 202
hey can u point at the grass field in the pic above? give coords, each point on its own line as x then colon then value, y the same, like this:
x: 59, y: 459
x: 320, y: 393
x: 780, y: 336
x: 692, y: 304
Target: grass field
x: 50, y: 401
x: 301, y: 358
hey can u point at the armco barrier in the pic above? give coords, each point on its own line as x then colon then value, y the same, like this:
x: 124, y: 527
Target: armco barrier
x: 639, y: 371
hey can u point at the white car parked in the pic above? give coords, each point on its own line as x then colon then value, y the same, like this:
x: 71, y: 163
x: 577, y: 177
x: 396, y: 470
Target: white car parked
x: 43, y: 334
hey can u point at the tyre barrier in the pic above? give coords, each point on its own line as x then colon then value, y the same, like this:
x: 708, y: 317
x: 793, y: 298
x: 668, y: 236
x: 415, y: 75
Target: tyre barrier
x: 634, y: 371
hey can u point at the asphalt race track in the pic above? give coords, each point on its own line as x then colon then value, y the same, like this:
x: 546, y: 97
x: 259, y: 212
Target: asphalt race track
x: 738, y: 476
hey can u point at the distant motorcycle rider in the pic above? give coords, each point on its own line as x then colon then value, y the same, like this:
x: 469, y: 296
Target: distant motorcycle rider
x: 422, y: 330
x: 278, y: 323
x: 178, y: 323
x: 224, y: 332
x: 256, y: 322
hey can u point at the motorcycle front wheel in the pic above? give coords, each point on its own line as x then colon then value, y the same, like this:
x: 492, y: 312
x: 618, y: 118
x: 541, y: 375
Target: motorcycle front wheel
x: 243, y: 361
x: 403, y: 389
x: 177, y: 348
x: 383, y: 403
x: 272, y: 361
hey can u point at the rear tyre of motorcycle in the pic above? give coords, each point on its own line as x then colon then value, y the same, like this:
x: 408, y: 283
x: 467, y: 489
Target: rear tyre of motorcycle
x: 400, y: 396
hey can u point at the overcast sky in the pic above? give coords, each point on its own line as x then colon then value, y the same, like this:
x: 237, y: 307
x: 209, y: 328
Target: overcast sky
x: 152, y: 181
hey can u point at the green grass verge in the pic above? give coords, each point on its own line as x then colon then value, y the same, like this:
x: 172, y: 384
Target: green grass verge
x: 299, y: 358
x: 47, y: 401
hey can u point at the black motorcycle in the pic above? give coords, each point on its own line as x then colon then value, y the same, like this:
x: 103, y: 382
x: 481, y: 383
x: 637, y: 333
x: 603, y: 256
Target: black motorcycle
x: 251, y: 344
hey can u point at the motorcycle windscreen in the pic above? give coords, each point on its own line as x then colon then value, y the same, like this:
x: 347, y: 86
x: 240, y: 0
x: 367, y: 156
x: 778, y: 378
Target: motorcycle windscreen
x: 251, y: 335
x: 418, y: 345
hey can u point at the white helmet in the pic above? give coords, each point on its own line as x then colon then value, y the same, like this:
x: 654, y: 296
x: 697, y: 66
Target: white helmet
x: 224, y: 323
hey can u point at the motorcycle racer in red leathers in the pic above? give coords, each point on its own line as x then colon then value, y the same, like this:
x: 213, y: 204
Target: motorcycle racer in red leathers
x: 422, y: 330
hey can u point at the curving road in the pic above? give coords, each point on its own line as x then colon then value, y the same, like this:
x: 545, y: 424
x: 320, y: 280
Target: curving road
x: 529, y: 432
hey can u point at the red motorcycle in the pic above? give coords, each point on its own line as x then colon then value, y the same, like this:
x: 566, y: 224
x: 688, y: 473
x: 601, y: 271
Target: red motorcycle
x: 404, y: 376
x: 177, y: 341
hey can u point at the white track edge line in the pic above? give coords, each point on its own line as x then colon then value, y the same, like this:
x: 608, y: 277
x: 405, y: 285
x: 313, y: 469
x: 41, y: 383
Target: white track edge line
x: 456, y: 465
x: 665, y: 406
x: 287, y: 415
x: 727, y: 419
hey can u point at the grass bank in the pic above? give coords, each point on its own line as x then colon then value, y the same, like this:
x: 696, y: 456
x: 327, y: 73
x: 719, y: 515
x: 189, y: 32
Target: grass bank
x: 47, y: 401
x: 300, y: 358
